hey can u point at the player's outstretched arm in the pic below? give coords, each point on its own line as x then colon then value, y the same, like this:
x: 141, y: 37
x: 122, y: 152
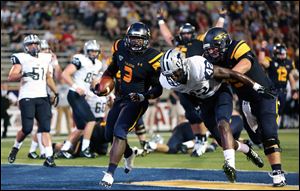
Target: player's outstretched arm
x: 164, y: 29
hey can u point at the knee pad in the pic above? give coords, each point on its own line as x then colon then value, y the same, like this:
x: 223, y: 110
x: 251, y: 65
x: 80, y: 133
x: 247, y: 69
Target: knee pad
x: 268, y: 146
x: 140, y: 129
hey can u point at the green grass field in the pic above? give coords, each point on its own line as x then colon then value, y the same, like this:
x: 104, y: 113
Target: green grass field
x: 289, y: 142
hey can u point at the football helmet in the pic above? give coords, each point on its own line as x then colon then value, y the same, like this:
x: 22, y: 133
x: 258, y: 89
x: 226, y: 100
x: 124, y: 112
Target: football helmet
x: 91, y: 45
x: 280, y: 51
x: 185, y: 29
x: 137, y: 37
x: 174, y: 67
x: 215, y: 44
x: 44, y: 45
x: 32, y: 39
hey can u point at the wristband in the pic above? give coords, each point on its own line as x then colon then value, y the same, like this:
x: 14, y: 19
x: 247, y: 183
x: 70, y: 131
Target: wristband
x: 256, y: 86
x: 74, y: 86
x: 222, y: 19
x: 160, y: 22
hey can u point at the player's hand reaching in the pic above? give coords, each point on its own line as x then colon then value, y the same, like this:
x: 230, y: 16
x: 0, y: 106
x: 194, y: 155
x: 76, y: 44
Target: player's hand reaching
x: 222, y: 12
x: 136, y: 97
x: 160, y: 14
x: 266, y: 92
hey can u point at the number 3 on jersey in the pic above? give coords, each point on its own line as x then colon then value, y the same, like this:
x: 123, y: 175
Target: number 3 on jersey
x: 128, y: 74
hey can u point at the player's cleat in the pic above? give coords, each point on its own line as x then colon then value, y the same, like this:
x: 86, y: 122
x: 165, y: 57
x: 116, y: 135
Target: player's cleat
x: 49, y: 162
x: 139, y: 152
x: 278, y: 178
x: 64, y: 154
x: 211, y: 148
x: 87, y: 153
x: 229, y: 171
x: 33, y: 155
x: 128, y: 162
x: 183, y: 148
x: 199, y: 148
x: 12, y: 155
x: 254, y: 157
x: 147, y: 147
x: 43, y: 156
x: 107, y: 180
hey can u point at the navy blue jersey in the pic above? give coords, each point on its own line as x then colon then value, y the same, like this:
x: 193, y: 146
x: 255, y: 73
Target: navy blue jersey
x: 137, y: 72
x: 279, y: 71
x: 237, y: 51
x: 195, y: 47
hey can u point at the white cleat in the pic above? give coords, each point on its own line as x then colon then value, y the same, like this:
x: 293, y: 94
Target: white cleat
x: 199, y: 148
x: 278, y: 178
x: 107, y: 180
x: 128, y: 162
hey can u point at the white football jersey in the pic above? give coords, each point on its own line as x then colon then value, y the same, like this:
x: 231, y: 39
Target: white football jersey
x: 86, y: 71
x: 36, y: 86
x: 97, y: 104
x: 200, y: 82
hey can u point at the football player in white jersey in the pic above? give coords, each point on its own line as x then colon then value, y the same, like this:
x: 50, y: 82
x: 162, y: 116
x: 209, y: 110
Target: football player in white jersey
x: 79, y: 75
x: 32, y: 68
x: 202, y: 83
x: 55, y: 71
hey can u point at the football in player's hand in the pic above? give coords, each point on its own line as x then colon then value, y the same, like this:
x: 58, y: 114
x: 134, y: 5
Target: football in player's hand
x: 106, y: 85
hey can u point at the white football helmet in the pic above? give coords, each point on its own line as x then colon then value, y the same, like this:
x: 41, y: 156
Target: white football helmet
x: 44, y: 45
x: 32, y: 39
x: 174, y: 67
x: 91, y: 45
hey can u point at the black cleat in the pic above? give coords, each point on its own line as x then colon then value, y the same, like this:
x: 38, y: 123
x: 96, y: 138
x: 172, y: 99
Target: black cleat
x: 64, y: 154
x: 87, y: 153
x: 229, y: 172
x: 49, y: 162
x: 254, y: 157
x: 43, y: 156
x: 33, y: 155
x: 12, y: 155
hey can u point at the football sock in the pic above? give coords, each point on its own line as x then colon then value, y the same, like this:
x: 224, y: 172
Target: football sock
x: 229, y: 155
x: 85, y: 144
x: 33, y: 146
x: 67, y: 145
x: 40, y: 141
x: 17, y: 144
x: 243, y: 147
x: 48, y: 151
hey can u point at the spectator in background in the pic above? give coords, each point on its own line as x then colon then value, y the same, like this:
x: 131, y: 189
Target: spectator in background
x: 5, y: 17
x: 16, y: 37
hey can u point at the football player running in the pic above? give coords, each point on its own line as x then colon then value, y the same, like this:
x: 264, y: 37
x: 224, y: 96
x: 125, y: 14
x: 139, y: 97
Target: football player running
x: 201, y: 82
x: 138, y: 64
x: 32, y: 68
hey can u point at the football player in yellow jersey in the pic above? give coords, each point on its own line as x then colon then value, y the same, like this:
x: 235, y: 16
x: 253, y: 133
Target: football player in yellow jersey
x: 221, y: 50
x: 190, y: 46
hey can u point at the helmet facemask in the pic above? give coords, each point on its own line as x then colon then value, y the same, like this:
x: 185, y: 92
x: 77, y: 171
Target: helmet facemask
x: 177, y: 69
x: 28, y: 45
x: 92, y: 49
x: 136, y: 43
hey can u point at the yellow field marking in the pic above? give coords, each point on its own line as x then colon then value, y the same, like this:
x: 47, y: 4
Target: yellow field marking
x: 213, y: 185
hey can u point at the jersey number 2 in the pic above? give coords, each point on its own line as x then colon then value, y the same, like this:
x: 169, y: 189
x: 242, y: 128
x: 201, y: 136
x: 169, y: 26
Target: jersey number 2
x: 282, y: 73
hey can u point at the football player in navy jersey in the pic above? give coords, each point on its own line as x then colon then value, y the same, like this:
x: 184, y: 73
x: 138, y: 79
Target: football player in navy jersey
x: 279, y: 69
x: 139, y: 71
x: 221, y: 50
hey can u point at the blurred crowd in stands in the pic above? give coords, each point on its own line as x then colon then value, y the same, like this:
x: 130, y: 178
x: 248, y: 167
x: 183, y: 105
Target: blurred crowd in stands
x: 253, y: 21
